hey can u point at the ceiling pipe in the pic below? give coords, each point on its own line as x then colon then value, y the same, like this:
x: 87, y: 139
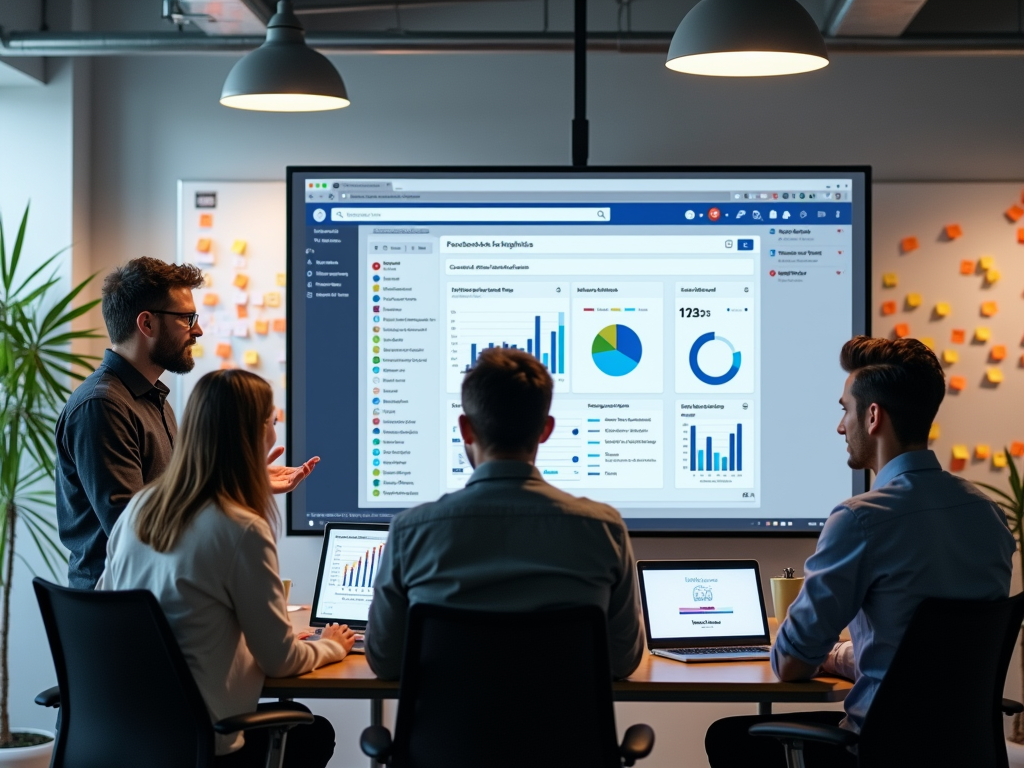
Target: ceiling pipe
x: 165, y: 43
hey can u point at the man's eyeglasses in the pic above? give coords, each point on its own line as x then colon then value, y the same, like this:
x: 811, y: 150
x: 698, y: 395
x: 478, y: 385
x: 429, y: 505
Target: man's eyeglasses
x: 190, y: 317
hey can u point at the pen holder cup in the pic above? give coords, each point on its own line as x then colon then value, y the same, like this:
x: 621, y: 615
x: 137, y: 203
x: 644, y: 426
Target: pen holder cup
x: 784, y: 592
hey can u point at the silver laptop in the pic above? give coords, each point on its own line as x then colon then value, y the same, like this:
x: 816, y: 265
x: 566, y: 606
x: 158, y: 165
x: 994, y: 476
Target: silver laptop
x: 704, y: 610
x: 349, y: 563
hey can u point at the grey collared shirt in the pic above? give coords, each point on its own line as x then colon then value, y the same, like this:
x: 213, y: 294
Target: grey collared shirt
x: 508, y: 541
x: 919, y: 532
x: 114, y: 436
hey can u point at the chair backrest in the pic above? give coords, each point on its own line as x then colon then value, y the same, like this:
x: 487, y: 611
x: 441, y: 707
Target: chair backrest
x: 939, y: 703
x: 128, y: 697
x: 505, y: 689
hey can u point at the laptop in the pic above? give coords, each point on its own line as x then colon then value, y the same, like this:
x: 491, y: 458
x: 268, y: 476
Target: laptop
x: 704, y: 610
x: 349, y: 563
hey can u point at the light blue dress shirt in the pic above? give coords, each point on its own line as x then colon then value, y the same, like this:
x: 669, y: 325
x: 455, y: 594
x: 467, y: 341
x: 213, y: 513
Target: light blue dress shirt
x: 919, y: 532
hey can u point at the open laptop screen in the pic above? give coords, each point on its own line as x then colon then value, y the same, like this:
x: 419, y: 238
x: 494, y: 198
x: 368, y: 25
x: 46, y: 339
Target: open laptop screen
x: 348, y: 569
x: 691, y: 602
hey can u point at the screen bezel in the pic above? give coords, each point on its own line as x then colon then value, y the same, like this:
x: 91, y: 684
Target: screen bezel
x: 316, y: 620
x: 860, y: 481
x: 704, y: 642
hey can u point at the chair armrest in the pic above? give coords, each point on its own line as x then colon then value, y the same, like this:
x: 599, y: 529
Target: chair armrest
x: 637, y: 743
x: 281, y: 718
x: 788, y: 732
x: 375, y: 742
x: 1009, y: 706
x: 51, y: 697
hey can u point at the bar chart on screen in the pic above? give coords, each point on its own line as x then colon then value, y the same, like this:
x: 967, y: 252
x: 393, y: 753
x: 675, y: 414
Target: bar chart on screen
x: 354, y: 564
x: 531, y: 317
x: 715, y: 445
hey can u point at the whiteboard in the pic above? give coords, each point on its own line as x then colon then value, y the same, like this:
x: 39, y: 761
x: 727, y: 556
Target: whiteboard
x: 239, y: 239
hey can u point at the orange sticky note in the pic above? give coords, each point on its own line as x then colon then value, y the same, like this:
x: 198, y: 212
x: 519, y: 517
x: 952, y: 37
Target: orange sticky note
x: 206, y: 220
x: 1014, y: 213
x: 1020, y: 235
x: 902, y: 330
x: 982, y: 333
x: 998, y: 352
x: 958, y: 336
x: 942, y: 308
x: 953, y: 231
x: 982, y: 451
x: 238, y: 247
x: 262, y: 326
x: 223, y: 350
x: 994, y: 376
x: 242, y: 311
x: 240, y: 281
x: 913, y: 300
x: 889, y: 280
x: 280, y: 415
x: 251, y: 357
x: 989, y: 308
x: 999, y: 460
x: 966, y: 267
x: 1017, y: 449
x: 957, y: 383
x: 203, y: 246
x: 933, y: 433
x: 280, y: 325
x: 210, y: 300
x: 888, y: 307
x: 908, y: 244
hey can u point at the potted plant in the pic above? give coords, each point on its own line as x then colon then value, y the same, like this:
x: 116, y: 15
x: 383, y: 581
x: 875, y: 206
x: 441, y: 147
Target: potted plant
x: 36, y: 366
x: 1012, y: 503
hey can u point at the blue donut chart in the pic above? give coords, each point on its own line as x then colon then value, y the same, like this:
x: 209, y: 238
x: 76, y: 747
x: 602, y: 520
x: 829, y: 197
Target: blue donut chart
x: 707, y: 378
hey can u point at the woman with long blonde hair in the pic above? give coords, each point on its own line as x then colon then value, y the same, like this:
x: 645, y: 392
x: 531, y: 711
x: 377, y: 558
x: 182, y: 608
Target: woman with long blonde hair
x: 201, y: 539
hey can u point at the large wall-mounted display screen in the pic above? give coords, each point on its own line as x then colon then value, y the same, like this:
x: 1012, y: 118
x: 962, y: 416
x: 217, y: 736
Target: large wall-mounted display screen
x: 691, y: 321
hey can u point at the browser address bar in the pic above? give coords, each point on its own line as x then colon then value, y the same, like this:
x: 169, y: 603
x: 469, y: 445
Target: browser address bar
x: 592, y: 215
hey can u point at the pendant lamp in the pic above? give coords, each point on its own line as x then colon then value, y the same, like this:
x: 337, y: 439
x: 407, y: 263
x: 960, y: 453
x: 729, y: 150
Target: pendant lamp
x: 284, y: 74
x: 747, y: 38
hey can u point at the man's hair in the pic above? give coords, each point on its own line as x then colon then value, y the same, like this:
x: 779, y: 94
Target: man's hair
x: 506, y: 396
x: 141, y: 285
x: 902, y: 376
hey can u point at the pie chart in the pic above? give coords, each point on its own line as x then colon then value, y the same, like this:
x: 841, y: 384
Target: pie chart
x: 616, y: 350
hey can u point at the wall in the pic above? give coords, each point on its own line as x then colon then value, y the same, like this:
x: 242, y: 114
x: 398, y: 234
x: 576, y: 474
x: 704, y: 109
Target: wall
x: 155, y: 120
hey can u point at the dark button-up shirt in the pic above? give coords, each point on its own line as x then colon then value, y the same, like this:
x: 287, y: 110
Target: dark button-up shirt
x: 919, y: 532
x: 508, y: 541
x: 113, y: 437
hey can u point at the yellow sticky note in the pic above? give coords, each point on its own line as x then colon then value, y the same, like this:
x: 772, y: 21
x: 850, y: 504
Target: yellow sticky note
x: 204, y: 244
x: 890, y: 280
x: 960, y: 452
x: 981, y: 333
x: 950, y: 356
x: 262, y: 327
x: 989, y: 308
x: 994, y: 376
x: 238, y: 247
x: 942, y: 308
x: 240, y: 281
x: 284, y: 382
x: 197, y: 350
x: 272, y: 299
x: 913, y: 299
x: 207, y: 280
x: 282, y: 279
x: 999, y: 460
x: 982, y: 451
x: 928, y: 341
x: 992, y: 276
x: 986, y: 263
x: 933, y: 433
x: 210, y: 300
x: 251, y: 357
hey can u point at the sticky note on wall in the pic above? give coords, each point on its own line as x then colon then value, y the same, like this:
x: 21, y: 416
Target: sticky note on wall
x: 986, y: 262
x: 223, y: 350
x: 994, y: 376
x: 204, y: 244
x: 206, y: 220
x: 998, y: 352
x: 928, y: 341
x: 957, y: 383
x: 889, y: 280
x: 982, y: 334
x: 240, y: 281
x: 1020, y: 235
x: 958, y: 336
x: 251, y: 357
x: 942, y: 309
x: 272, y: 299
x: 933, y: 433
x: 1017, y: 449
x: 953, y: 231
x: 238, y: 247
x: 1014, y: 213
x: 281, y: 279
x: 902, y: 330
x: 960, y: 452
x: 999, y: 459
x: 210, y: 300
x: 982, y: 451
x: 197, y: 350
x: 913, y: 300
x: 992, y: 276
x: 280, y: 325
x: 888, y: 307
x: 989, y: 308
x: 950, y: 356
x: 966, y: 267
x: 908, y: 244
x: 262, y: 326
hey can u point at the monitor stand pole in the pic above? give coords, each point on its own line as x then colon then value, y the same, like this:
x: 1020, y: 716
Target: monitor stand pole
x: 580, y: 126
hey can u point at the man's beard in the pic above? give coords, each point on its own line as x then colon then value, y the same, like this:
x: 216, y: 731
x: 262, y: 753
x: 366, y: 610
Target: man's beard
x: 859, y: 452
x: 171, y: 357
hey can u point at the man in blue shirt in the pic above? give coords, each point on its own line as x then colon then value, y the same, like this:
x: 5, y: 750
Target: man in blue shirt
x: 919, y: 532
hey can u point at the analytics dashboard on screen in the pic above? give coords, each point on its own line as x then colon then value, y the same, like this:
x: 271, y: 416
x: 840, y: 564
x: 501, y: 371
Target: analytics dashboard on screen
x: 690, y: 319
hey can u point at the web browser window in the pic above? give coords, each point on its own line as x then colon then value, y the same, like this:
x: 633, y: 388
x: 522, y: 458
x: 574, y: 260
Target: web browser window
x: 691, y: 326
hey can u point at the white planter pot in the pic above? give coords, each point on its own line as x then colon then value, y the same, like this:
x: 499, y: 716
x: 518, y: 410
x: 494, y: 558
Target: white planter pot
x: 1015, y: 753
x: 29, y: 757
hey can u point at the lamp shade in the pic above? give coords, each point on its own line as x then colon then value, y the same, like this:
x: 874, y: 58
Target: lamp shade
x: 284, y: 74
x: 747, y: 38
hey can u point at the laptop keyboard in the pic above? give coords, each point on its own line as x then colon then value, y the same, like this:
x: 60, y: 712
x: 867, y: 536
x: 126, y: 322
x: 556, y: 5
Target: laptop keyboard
x: 725, y: 649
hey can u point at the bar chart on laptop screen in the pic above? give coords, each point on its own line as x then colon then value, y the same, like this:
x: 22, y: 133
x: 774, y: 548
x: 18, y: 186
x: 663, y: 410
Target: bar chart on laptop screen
x: 353, y: 564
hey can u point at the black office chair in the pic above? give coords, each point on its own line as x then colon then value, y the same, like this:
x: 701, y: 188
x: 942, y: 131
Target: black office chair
x: 126, y: 695
x: 941, y: 702
x: 506, y: 690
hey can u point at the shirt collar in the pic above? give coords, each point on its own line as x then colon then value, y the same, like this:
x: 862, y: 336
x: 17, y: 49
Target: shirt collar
x: 137, y: 384
x: 911, y: 461
x: 504, y: 470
